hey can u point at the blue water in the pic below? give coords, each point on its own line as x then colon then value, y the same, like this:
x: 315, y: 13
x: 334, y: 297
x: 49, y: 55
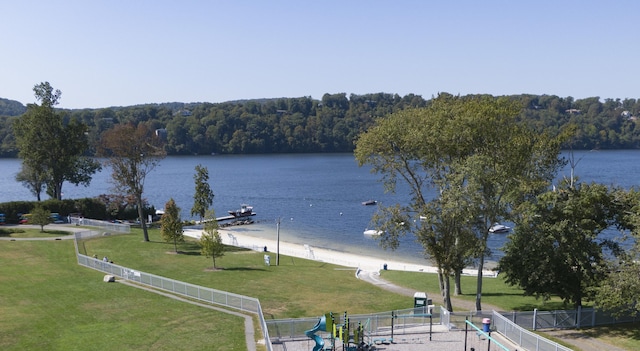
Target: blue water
x: 317, y: 197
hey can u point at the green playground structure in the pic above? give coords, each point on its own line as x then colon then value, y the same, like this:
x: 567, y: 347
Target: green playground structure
x: 339, y: 331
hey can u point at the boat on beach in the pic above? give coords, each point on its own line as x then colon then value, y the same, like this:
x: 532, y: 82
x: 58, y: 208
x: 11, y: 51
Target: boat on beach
x: 498, y: 228
x: 369, y: 202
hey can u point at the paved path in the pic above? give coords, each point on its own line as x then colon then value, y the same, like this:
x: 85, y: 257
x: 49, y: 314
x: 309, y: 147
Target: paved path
x: 375, y: 279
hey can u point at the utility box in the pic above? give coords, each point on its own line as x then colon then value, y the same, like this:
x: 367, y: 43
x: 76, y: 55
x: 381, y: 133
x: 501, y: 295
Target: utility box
x: 419, y: 299
x: 421, y: 303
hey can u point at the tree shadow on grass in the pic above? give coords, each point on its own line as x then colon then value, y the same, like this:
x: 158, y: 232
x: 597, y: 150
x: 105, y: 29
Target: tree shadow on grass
x: 242, y: 269
x: 9, y: 232
x: 524, y: 305
x: 21, y: 233
x: 622, y: 331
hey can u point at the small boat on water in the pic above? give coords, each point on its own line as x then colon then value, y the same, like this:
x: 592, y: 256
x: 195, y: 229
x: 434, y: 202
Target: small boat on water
x: 244, y: 211
x: 498, y: 228
x: 369, y: 202
x: 372, y: 232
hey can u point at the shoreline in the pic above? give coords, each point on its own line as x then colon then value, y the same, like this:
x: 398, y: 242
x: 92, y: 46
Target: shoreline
x: 235, y: 236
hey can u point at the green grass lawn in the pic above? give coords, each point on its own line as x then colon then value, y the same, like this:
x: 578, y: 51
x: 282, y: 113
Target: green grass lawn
x: 48, y: 301
x: 296, y: 288
x: 626, y: 336
x: 18, y: 232
x: 495, y: 291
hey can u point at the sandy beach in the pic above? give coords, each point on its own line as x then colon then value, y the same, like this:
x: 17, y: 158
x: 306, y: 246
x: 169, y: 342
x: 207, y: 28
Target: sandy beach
x: 234, y: 236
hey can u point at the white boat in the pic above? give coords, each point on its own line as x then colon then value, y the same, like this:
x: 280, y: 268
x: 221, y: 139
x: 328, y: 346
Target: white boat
x: 244, y: 211
x: 499, y: 228
x: 372, y: 232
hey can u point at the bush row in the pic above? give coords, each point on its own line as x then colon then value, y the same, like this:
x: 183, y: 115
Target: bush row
x: 94, y: 208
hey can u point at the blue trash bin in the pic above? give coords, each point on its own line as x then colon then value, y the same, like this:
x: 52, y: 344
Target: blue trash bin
x: 486, y: 325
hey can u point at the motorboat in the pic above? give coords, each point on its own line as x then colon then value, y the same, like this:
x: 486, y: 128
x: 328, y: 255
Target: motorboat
x: 498, y: 228
x: 372, y: 232
x: 244, y: 211
x: 369, y: 202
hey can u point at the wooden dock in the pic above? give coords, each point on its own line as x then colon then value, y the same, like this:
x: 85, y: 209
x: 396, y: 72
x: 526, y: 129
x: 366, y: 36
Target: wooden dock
x: 230, y: 217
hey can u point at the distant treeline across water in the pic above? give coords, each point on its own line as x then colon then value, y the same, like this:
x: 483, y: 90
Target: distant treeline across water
x: 332, y: 124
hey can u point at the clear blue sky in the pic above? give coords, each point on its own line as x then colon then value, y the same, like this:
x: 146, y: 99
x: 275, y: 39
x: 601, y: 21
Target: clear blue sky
x: 121, y: 52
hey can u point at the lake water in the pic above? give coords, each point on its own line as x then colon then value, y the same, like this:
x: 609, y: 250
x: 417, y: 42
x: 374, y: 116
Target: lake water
x: 317, y: 197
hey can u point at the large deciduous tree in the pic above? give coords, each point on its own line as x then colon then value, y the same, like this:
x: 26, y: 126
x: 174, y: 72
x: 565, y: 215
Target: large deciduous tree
x: 619, y: 292
x: 555, y: 249
x: 51, y: 147
x: 470, y: 150
x: 203, y: 196
x: 132, y: 152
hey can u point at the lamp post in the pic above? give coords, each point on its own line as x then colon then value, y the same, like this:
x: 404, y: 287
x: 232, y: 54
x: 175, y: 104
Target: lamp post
x: 278, y: 241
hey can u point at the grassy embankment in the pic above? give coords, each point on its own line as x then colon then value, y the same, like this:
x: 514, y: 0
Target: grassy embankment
x: 50, y: 302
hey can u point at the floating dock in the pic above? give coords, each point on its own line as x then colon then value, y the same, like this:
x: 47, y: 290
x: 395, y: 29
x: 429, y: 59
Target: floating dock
x: 228, y: 218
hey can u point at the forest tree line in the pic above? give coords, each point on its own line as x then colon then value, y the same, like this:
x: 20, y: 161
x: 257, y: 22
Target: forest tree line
x: 332, y: 124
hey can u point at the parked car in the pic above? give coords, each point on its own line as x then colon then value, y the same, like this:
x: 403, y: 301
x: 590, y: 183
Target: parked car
x: 24, y: 219
x: 56, y: 218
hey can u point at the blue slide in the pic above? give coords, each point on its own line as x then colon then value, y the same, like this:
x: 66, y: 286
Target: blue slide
x: 321, y: 325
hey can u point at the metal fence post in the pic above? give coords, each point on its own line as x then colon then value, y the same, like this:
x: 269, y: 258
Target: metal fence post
x: 579, y: 317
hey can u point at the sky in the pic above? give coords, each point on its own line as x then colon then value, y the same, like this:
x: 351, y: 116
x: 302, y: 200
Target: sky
x: 122, y: 52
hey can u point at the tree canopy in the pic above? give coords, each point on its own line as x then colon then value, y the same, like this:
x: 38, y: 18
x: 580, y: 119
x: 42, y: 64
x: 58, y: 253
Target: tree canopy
x: 473, y: 152
x: 51, y: 147
x: 132, y: 152
x: 210, y: 241
x: 555, y: 250
x: 203, y: 195
x: 332, y: 124
x: 171, y: 224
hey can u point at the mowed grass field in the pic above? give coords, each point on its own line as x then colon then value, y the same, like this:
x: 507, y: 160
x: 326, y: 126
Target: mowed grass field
x: 295, y: 288
x: 48, y: 301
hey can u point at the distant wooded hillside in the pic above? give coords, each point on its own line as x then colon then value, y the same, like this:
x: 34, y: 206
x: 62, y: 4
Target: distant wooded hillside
x: 304, y: 125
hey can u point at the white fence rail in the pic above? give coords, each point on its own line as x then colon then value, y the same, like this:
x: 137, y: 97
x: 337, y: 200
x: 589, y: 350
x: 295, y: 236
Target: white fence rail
x: 523, y: 337
x: 227, y: 299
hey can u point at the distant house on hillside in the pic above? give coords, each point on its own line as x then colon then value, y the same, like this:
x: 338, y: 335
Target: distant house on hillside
x: 161, y: 133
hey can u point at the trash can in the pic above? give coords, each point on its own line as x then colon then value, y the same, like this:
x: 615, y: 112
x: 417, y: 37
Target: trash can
x: 384, y: 266
x: 486, y: 325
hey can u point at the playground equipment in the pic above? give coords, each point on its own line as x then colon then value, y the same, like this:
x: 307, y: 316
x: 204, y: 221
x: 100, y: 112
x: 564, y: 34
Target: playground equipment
x: 339, y: 331
x: 311, y: 333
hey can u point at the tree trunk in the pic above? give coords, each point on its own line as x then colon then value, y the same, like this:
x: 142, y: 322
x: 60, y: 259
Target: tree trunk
x: 441, y: 282
x: 143, y: 223
x: 458, y: 283
x: 479, y: 286
x: 447, y: 294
